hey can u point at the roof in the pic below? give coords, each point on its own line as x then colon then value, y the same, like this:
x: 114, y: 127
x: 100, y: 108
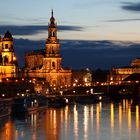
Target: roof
x: 133, y: 77
x: 7, y: 35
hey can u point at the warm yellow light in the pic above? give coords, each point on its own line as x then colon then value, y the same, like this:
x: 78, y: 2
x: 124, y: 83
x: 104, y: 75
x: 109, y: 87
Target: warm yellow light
x: 3, y: 95
x: 22, y: 95
x: 14, y: 58
x: 74, y: 84
x: 85, y: 79
x: 100, y: 97
x: 74, y: 91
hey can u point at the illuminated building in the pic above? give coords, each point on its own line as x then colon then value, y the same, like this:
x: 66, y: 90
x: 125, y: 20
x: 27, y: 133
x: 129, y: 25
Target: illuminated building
x: 48, y: 64
x: 82, y: 77
x: 118, y: 75
x: 8, y: 60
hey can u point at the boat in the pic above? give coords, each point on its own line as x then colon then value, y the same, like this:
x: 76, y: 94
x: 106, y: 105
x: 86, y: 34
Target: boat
x: 5, y: 107
x: 88, y: 99
x: 56, y: 101
x: 27, y: 104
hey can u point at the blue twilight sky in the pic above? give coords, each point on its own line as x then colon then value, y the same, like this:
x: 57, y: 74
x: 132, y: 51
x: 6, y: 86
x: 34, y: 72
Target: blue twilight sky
x: 98, y: 19
x: 93, y: 33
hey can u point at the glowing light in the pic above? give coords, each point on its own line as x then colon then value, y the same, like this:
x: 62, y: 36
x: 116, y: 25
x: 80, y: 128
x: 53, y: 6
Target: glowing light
x: 67, y: 100
x: 120, y: 116
x: 100, y: 97
x: 112, y: 116
x: 137, y: 118
x: 75, y: 113
x: 85, y: 79
x: 22, y: 95
x: 61, y: 93
x: 3, y: 95
x: 14, y: 58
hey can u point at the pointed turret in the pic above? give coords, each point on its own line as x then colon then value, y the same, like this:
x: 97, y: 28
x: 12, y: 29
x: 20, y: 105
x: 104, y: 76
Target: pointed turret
x: 52, y: 19
x: 8, y: 42
x: 8, y: 36
x: 52, y: 31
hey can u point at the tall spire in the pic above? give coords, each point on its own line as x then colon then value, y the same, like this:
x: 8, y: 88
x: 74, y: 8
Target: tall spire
x: 52, y: 12
x: 52, y: 19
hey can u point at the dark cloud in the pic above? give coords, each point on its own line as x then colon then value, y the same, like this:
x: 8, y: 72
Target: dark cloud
x: 82, y: 54
x: 34, y: 29
x: 130, y: 6
x: 123, y: 20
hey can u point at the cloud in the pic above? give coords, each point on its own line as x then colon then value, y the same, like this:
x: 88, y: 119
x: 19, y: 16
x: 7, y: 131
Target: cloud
x: 34, y: 29
x: 82, y: 54
x: 130, y: 6
x: 124, y: 20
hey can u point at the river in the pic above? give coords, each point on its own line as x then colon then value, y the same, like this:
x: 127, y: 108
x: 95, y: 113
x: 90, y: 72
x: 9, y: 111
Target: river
x: 102, y: 121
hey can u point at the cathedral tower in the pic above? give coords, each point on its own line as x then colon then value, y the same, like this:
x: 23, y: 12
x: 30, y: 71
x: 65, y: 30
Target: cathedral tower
x: 8, y: 61
x: 8, y: 56
x: 53, y: 61
x: 51, y: 67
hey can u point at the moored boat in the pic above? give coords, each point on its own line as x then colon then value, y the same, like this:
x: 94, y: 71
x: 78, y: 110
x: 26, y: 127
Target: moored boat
x: 56, y: 101
x: 88, y: 99
x: 5, y: 107
x: 30, y: 103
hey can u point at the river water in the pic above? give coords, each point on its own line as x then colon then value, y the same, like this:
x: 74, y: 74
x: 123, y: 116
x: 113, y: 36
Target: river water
x: 101, y: 121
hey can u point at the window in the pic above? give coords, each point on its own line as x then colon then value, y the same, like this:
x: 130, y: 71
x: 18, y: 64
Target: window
x: 6, y: 46
x: 53, y: 65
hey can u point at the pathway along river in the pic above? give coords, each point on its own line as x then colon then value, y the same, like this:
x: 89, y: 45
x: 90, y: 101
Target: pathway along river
x: 101, y: 121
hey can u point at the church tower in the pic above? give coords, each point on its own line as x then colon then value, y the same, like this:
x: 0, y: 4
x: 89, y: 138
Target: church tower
x: 8, y: 56
x: 52, y: 63
x: 50, y: 67
x: 8, y: 61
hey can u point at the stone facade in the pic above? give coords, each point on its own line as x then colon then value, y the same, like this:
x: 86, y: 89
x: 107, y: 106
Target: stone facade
x: 82, y: 77
x: 48, y: 64
x: 8, y: 60
x: 117, y: 75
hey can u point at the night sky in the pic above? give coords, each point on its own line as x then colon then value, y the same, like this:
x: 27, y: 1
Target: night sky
x: 92, y: 33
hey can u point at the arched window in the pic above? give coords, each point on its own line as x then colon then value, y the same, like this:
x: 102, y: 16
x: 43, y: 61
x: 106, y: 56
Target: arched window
x: 6, y: 46
x: 5, y: 59
x: 53, y: 34
x: 53, y: 65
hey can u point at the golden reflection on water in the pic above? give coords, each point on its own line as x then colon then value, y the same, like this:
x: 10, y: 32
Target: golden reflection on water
x: 75, y: 115
x: 86, y: 118
x: 112, y: 116
x: 97, y: 120
x: 120, y: 116
x: 53, y: 122
x: 137, y: 118
x: 75, y: 120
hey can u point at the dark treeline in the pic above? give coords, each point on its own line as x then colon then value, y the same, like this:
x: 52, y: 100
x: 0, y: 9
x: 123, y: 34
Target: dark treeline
x: 100, y: 75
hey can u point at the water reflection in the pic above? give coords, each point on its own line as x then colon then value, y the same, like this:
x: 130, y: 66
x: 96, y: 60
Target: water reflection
x: 99, y: 121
